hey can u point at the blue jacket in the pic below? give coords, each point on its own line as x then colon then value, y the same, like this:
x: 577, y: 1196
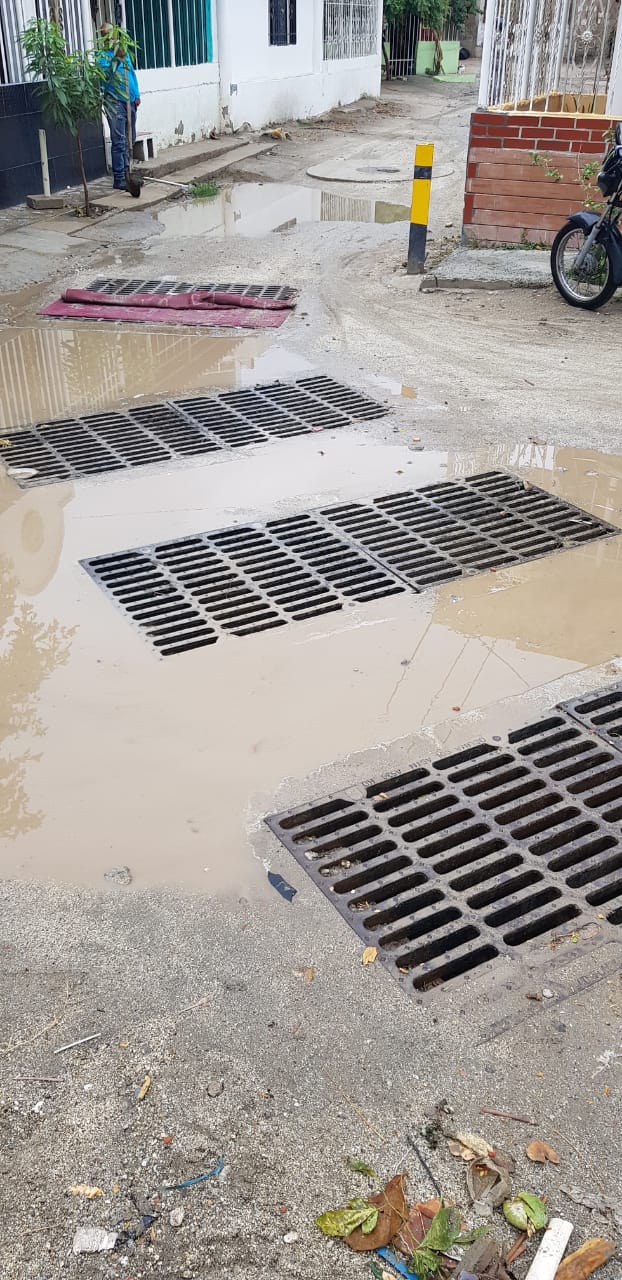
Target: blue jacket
x: 114, y: 84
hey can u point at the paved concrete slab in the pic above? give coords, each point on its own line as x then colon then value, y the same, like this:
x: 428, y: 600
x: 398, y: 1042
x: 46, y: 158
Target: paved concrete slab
x: 171, y: 159
x: 153, y: 193
x: 491, y: 269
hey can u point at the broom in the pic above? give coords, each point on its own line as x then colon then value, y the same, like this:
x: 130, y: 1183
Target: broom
x: 132, y: 184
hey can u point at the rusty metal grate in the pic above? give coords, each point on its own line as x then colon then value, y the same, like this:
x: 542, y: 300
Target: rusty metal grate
x: 452, y: 864
x: 601, y: 713
x: 123, y: 287
x: 73, y: 448
x: 187, y: 593
x: 442, y: 531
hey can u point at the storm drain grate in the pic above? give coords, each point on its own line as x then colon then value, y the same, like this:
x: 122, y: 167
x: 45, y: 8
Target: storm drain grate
x: 601, y: 713
x: 123, y: 287
x: 186, y: 427
x: 240, y: 581
x: 185, y: 594
x: 452, y: 864
x: 442, y: 531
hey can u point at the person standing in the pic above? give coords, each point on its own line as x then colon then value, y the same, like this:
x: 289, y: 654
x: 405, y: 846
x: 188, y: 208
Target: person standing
x: 120, y: 85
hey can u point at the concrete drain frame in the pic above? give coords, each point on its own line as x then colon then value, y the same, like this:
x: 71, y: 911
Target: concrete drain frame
x: 188, y: 592
x: 451, y: 865
x: 188, y: 426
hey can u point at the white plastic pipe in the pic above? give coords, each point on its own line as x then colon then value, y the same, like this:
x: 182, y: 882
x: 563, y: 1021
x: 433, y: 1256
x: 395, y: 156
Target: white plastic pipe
x: 486, y: 63
x: 45, y: 171
x: 551, y: 1250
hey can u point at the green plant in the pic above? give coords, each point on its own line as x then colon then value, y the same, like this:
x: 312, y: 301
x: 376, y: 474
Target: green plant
x: 204, y: 190
x: 586, y: 178
x: 69, y: 84
x: 431, y: 13
x: 544, y: 161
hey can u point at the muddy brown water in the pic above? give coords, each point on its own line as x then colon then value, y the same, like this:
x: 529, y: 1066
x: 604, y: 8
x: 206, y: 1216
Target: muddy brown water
x: 258, y: 208
x: 112, y: 756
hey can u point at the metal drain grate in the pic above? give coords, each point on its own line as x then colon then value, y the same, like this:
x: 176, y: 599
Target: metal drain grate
x: 600, y: 712
x: 85, y: 446
x: 447, y: 866
x: 341, y: 545
x: 443, y: 531
x: 186, y: 593
x: 124, y: 287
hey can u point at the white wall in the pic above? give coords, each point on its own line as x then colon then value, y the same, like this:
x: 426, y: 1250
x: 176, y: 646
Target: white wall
x: 261, y: 83
x: 179, y: 104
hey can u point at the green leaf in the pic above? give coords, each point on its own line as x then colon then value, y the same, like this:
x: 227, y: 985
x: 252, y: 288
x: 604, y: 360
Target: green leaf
x: 425, y: 1262
x: 342, y: 1222
x: 536, y: 1209
x: 376, y: 1271
x: 467, y: 1237
x: 368, y: 1225
x: 359, y: 1166
x: 443, y: 1230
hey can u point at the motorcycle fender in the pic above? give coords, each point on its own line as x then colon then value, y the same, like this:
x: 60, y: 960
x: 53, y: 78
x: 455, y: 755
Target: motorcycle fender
x: 611, y: 236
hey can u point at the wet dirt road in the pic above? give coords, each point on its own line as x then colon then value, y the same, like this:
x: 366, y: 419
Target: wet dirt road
x: 177, y: 756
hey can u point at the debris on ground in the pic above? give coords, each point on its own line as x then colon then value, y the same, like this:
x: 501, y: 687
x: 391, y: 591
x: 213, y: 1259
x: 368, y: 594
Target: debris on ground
x: 540, y: 1152
x: 94, y: 1240
x: 525, y: 1212
x: 551, y: 1250
x: 483, y: 1260
x: 144, y: 1088
x: 74, y: 1043
x: 82, y: 1189
x: 435, y: 1127
x: 598, y: 1203
x: 201, y: 1177
x: 120, y: 875
x: 369, y: 955
x: 359, y: 1166
x: 176, y: 1216
x: 580, y: 1264
x: 286, y: 890
x: 488, y: 1183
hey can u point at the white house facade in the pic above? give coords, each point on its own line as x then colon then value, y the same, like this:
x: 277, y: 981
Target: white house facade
x: 205, y: 64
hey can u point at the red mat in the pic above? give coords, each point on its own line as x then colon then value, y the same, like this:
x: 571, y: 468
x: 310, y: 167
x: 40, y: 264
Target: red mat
x: 203, y: 307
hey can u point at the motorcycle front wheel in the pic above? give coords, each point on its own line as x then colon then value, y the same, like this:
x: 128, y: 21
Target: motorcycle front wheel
x: 590, y: 285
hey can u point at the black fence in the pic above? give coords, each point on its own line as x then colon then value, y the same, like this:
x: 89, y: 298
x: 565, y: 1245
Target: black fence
x: 20, y: 166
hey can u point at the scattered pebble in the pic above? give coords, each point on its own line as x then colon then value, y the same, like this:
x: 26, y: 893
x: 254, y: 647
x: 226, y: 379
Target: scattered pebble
x: 214, y: 1088
x: 94, y: 1240
x: 547, y: 993
x: 177, y: 1216
x: 290, y: 1237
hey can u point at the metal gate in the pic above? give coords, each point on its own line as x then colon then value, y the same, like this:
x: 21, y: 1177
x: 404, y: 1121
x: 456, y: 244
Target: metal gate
x: 400, y: 45
x: 545, y: 49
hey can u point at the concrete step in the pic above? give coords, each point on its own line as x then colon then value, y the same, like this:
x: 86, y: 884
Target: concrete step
x: 153, y: 194
x: 188, y: 154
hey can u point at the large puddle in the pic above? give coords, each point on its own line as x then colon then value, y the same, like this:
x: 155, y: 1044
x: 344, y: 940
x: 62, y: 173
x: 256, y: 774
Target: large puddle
x: 51, y: 372
x: 114, y: 757
x: 257, y: 208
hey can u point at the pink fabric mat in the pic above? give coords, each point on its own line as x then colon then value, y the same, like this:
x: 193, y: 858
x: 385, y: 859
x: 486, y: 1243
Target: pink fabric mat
x: 225, y: 310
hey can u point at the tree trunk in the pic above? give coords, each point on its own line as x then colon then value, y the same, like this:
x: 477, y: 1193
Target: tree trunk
x: 87, y: 202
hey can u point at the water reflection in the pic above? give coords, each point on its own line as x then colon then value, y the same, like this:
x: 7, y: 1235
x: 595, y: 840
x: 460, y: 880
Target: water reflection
x: 256, y: 209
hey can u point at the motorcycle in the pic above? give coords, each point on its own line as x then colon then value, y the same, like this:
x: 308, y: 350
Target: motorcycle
x: 586, y: 255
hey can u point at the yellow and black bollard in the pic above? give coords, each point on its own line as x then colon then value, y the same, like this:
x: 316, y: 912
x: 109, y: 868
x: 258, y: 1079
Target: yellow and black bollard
x: 420, y: 207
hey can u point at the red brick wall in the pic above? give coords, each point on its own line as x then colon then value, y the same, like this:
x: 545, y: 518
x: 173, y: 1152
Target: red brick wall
x: 508, y: 198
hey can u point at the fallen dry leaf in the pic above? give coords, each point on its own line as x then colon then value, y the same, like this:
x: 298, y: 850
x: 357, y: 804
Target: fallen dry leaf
x: 369, y: 955
x: 540, y: 1152
x: 309, y: 973
x: 392, y: 1213
x: 459, y: 1151
x: 411, y: 1234
x: 89, y: 1193
x: 144, y: 1088
x: 479, y: 1146
x: 579, y: 1265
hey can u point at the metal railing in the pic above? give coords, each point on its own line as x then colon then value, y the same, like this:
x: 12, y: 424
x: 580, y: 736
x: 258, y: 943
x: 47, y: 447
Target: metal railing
x: 547, y: 51
x: 350, y: 28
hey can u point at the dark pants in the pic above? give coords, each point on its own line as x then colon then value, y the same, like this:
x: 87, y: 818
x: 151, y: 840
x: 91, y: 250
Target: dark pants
x: 116, y: 115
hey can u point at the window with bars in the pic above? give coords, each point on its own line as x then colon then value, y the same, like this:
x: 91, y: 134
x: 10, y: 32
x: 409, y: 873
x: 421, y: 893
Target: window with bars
x: 282, y: 21
x: 351, y: 28
x: 179, y: 36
